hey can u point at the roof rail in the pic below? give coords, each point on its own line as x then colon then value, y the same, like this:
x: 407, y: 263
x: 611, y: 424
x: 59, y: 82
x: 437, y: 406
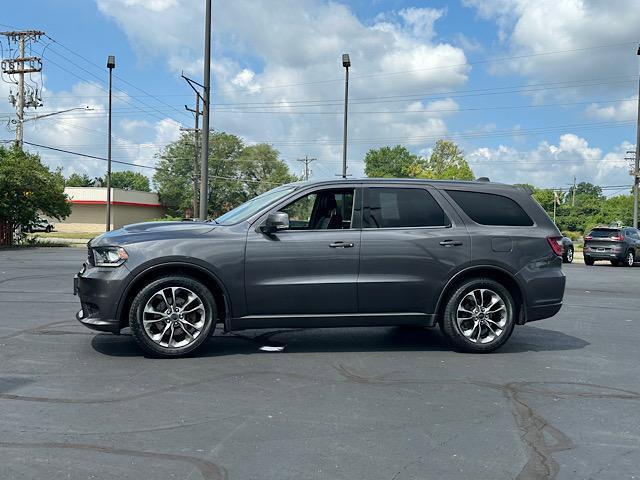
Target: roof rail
x: 483, y: 179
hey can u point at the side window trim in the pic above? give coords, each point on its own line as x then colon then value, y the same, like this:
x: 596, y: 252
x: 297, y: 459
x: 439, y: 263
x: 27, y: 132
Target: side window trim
x: 366, y: 189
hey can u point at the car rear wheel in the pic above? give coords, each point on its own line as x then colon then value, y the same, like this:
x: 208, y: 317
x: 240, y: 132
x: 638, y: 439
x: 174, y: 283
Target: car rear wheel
x: 172, y: 316
x: 629, y: 259
x: 615, y: 263
x: 588, y: 261
x: 479, y: 316
x: 567, y: 257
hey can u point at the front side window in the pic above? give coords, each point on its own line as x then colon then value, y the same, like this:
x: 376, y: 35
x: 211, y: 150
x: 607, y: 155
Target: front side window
x: 402, y: 207
x: 321, y: 210
x: 491, y: 209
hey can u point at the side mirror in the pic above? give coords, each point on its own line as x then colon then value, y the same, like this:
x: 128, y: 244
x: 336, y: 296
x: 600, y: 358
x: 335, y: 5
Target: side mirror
x: 276, y: 221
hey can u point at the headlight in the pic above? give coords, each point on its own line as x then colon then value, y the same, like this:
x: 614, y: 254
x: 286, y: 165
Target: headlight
x: 109, y: 256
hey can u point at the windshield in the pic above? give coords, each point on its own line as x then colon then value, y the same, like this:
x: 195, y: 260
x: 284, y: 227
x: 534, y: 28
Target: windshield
x: 254, y: 205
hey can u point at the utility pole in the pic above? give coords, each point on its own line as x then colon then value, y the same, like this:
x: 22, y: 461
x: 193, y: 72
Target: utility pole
x: 573, y: 193
x: 18, y: 67
x: 636, y: 170
x: 306, y: 160
x: 204, y: 163
x: 196, y: 113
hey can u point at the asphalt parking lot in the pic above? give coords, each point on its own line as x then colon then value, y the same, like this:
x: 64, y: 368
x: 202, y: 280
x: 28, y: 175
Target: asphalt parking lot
x: 560, y: 400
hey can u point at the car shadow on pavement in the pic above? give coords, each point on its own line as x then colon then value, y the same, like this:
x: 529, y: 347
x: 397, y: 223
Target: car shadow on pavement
x: 372, y: 339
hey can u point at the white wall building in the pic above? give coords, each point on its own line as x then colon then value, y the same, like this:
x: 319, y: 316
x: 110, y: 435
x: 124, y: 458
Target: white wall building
x: 89, y: 209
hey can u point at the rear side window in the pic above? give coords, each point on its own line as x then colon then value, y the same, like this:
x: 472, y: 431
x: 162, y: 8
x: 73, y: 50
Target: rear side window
x: 402, y: 207
x: 490, y: 209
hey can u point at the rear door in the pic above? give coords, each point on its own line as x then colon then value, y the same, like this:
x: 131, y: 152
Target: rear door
x: 412, y: 243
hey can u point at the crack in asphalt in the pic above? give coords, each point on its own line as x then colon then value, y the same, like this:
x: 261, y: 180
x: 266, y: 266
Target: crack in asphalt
x: 208, y: 470
x: 540, y: 464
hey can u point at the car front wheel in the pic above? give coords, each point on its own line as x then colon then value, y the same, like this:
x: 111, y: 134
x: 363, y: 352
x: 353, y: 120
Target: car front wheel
x: 172, y: 316
x: 479, y: 316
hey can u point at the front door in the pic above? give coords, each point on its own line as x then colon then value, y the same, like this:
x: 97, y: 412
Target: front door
x: 312, y: 267
x: 412, y: 243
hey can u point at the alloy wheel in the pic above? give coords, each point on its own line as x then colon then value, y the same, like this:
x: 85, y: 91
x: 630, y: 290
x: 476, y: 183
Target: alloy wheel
x: 174, y: 317
x: 570, y: 255
x: 481, y: 315
x: 630, y: 259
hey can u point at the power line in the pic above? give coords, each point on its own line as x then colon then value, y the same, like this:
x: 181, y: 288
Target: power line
x: 123, y: 80
x: 95, y: 157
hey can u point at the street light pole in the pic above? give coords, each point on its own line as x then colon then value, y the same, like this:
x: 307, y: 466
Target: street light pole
x: 204, y: 162
x: 636, y: 170
x: 346, y: 63
x: 111, y: 63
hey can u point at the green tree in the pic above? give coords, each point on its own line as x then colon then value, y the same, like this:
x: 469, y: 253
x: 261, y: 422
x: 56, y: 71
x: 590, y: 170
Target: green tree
x: 28, y: 188
x: 446, y: 163
x: 236, y: 172
x: 128, y: 180
x: 394, y: 162
x: 77, y: 180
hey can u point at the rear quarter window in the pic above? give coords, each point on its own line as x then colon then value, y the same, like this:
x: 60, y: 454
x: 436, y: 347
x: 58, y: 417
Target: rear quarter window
x: 491, y: 209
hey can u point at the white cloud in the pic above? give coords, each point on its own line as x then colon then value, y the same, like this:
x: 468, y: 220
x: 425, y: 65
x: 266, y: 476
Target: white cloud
x: 535, y: 27
x: 619, y: 111
x: 398, y: 52
x: 547, y: 164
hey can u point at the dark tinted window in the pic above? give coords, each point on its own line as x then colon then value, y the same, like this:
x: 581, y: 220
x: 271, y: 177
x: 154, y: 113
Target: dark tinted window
x: 604, y: 233
x: 402, y: 207
x: 490, y: 209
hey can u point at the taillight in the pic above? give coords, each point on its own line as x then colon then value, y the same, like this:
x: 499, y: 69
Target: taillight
x: 588, y: 237
x: 555, y: 246
x: 619, y: 238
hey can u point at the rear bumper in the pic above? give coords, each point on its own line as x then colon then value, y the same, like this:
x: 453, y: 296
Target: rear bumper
x: 544, y: 283
x: 541, y: 312
x: 604, y: 255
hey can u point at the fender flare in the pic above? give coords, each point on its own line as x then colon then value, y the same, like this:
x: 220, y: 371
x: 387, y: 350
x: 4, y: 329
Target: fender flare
x: 149, y: 268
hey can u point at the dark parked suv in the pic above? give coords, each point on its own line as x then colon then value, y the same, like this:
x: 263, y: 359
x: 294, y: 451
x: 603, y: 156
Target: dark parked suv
x: 616, y: 244
x: 475, y: 258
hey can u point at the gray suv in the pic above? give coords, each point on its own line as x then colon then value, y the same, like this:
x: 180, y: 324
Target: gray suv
x: 475, y: 258
x: 619, y: 245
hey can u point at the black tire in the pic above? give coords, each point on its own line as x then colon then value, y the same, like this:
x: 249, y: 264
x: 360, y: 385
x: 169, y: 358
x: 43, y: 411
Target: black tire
x: 615, y: 263
x: 588, y: 261
x: 451, y: 329
x: 49, y: 229
x: 567, y: 256
x: 141, y: 336
x: 629, y: 259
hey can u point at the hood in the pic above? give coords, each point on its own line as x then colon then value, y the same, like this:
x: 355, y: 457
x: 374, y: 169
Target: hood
x: 139, y: 232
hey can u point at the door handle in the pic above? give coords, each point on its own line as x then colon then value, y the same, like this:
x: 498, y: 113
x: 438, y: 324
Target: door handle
x: 341, y: 245
x: 451, y: 243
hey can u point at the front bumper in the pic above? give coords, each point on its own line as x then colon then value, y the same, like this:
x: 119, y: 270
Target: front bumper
x: 100, y: 290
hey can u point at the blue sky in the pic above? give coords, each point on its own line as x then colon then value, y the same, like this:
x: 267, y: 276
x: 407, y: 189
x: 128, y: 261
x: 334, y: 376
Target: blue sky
x: 532, y: 91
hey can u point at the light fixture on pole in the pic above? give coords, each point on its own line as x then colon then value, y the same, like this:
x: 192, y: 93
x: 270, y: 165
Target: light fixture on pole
x: 346, y: 63
x: 111, y: 64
